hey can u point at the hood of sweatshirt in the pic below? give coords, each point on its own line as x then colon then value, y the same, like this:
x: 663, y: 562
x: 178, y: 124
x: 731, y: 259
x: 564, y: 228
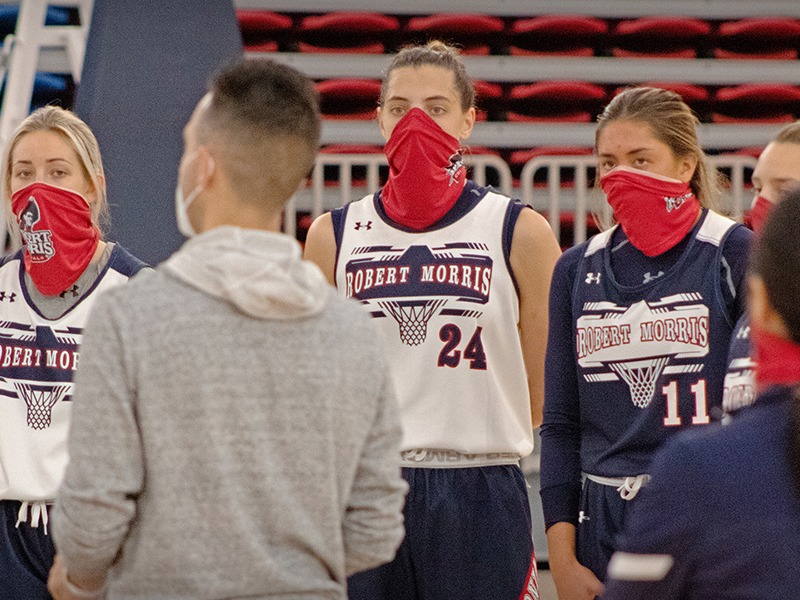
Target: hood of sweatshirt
x: 259, y: 272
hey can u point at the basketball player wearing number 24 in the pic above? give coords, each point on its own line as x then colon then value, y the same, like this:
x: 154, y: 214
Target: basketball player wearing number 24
x: 640, y: 323
x: 456, y: 278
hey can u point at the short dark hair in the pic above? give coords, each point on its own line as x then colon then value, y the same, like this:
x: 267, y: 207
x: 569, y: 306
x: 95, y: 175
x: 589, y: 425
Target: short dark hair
x: 776, y: 259
x: 263, y: 122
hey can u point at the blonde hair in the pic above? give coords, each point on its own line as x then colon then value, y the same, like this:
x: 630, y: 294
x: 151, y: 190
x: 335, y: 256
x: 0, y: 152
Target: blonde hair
x: 673, y: 123
x: 68, y: 125
x: 789, y: 134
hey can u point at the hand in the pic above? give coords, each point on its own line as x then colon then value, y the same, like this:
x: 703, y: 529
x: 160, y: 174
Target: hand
x: 576, y: 582
x: 61, y: 588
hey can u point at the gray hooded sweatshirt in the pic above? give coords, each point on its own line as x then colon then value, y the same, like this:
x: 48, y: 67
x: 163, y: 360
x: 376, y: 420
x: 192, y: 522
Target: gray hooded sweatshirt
x: 235, y: 431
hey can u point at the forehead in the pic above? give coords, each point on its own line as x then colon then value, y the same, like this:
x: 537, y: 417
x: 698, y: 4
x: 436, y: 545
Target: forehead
x: 421, y: 82
x: 625, y: 136
x: 780, y: 160
x: 43, y: 144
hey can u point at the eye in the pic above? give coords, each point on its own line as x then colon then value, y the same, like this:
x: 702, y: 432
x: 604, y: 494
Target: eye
x: 607, y: 165
x: 641, y: 162
x: 397, y: 111
x: 437, y: 110
x: 22, y: 173
x: 59, y: 173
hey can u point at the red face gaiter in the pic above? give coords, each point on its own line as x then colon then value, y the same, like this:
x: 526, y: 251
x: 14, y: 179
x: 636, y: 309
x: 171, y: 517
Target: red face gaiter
x: 655, y: 212
x: 778, y: 359
x: 759, y: 212
x: 57, y: 232
x: 426, y: 174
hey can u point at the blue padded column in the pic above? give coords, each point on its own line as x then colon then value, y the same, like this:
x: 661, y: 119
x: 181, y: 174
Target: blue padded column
x: 147, y: 64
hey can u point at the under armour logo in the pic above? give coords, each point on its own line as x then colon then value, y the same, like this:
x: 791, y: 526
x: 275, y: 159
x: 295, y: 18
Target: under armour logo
x: 742, y: 334
x: 10, y: 297
x: 358, y: 225
x: 582, y: 517
x: 648, y: 278
x: 73, y: 290
x: 673, y: 203
x: 593, y: 277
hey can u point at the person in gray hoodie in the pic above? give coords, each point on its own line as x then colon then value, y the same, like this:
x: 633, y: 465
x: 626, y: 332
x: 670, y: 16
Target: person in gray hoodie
x: 235, y: 429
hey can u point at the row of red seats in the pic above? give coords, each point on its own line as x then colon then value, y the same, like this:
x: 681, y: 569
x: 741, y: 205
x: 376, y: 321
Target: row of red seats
x: 579, y: 101
x: 576, y: 35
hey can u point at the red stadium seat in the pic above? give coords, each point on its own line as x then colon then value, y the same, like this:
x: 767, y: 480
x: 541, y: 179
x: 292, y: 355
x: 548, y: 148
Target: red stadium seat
x: 262, y: 30
x: 474, y: 34
x: 346, y: 32
x: 488, y: 98
x: 573, y: 35
x: 757, y: 102
x: 349, y: 98
x: 572, y: 101
x: 673, y: 37
x: 351, y: 149
x: 773, y: 38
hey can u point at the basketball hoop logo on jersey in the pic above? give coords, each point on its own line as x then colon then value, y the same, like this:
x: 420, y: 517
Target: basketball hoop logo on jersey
x: 413, y: 284
x: 39, y: 243
x: 636, y: 343
x: 40, y: 400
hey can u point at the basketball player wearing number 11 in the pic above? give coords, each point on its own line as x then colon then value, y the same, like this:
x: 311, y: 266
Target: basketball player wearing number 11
x: 640, y: 323
x: 456, y: 277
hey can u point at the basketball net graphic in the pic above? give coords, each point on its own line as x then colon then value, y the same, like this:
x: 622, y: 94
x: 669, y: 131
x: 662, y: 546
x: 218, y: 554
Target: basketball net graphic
x: 412, y: 316
x: 40, y: 401
x: 641, y: 377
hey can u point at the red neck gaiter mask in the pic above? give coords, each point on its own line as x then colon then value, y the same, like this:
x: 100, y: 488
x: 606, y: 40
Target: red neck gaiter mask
x: 426, y: 174
x: 778, y: 359
x: 758, y: 214
x: 655, y: 212
x: 58, y: 235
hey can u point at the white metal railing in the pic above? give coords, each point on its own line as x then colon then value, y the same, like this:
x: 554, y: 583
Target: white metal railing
x: 479, y: 164
x: 554, y: 199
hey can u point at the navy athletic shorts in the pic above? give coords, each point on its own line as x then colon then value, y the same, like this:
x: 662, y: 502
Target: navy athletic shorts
x: 601, y: 520
x: 26, y: 555
x: 468, y: 536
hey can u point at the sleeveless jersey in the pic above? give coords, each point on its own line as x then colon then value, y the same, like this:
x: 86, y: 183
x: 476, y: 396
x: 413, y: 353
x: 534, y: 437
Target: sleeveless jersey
x: 38, y: 358
x: 740, y: 380
x: 446, y: 303
x: 651, y: 358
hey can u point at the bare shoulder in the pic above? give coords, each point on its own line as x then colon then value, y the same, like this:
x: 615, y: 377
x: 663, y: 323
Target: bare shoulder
x: 321, y: 246
x: 533, y: 242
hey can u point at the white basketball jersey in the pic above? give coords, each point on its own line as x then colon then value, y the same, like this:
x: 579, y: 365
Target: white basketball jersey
x: 38, y: 358
x: 447, y: 305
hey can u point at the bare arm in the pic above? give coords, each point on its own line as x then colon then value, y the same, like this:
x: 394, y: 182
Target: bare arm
x: 534, y: 252
x: 573, y: 580
x: 321, y: 246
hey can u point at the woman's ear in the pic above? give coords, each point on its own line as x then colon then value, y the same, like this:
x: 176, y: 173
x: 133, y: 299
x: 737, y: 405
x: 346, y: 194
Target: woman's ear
x: 687, y: 168
x: 469, y: 123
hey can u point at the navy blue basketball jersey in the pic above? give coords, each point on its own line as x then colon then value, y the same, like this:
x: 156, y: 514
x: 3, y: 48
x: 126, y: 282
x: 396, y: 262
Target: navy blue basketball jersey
x: 446, y: 302
x: 651, y: 357
x: 740, y: 380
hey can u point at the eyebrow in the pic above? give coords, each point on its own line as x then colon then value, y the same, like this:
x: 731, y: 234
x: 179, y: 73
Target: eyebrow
x: 49, y: 160
x: 428, y: 99
x: 634, y: 151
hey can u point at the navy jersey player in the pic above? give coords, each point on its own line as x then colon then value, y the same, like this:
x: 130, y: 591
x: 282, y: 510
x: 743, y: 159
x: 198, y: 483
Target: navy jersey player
x: 721, y: 516
x: 640, y: 321
x: 777, y: 170
x: 53, y: 177
x: 456, y: 278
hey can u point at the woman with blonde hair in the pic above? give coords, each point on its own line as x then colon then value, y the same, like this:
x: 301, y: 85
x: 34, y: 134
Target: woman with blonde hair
x: 54, y: 189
